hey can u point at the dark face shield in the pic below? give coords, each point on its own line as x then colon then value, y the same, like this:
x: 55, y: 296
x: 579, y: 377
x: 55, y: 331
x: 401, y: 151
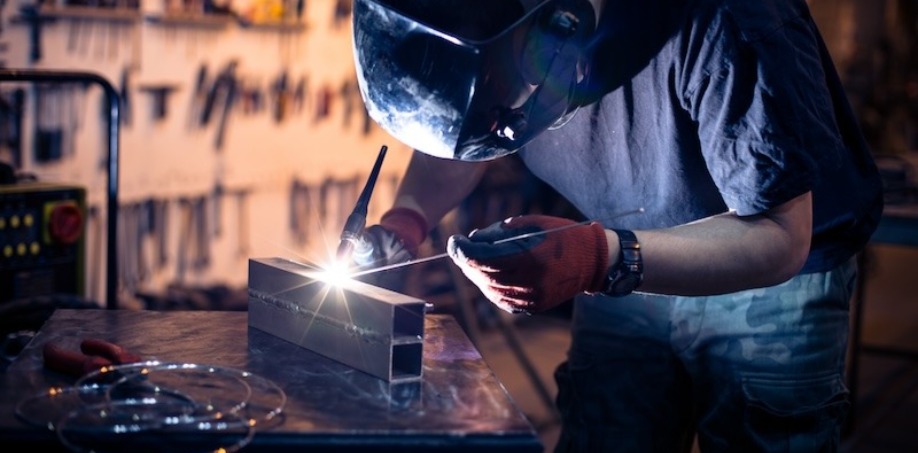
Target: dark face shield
x: 469, y: 79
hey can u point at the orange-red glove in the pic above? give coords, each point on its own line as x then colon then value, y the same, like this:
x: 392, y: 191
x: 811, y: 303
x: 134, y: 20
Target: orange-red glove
x: 395, y: 239
x: 534, y: 273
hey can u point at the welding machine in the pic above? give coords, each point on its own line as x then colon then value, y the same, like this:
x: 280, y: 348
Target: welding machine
x: 42, y: 240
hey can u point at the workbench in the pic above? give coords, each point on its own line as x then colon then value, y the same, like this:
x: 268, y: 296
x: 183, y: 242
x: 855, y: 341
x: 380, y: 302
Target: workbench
x: 459, y: 405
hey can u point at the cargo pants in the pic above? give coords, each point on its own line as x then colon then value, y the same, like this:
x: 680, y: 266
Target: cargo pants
x: 755, y: 371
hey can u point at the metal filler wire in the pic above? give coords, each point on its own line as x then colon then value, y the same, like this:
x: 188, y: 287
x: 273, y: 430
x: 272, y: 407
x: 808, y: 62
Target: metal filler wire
x: 500, y: 241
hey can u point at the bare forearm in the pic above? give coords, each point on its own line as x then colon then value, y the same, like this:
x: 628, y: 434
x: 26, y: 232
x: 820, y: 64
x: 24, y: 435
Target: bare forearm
x: 725, y: 253
x: 434, y: 186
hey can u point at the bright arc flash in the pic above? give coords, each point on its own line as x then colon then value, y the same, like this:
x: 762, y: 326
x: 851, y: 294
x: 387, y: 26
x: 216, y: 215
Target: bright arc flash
x: 338, y: 274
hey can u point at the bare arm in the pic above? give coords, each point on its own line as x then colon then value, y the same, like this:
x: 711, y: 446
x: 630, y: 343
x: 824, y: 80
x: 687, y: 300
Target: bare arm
x: 434, y: 186
x: 725, y: 253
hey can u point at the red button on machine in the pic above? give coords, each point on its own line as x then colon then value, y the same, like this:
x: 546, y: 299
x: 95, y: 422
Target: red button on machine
x: 65, y: 224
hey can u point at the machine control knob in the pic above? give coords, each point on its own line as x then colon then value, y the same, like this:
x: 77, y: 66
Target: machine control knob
x: 65, y: 223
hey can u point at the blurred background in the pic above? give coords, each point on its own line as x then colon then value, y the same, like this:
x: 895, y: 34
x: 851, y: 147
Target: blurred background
x: 242, y: 134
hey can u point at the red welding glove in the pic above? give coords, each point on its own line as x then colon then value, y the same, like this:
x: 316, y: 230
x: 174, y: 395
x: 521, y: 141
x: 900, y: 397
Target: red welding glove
x: 394, y: 240
x: 534, y: 273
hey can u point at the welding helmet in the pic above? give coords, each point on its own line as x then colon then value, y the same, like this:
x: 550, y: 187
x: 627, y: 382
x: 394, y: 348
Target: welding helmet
x: 470, y: 80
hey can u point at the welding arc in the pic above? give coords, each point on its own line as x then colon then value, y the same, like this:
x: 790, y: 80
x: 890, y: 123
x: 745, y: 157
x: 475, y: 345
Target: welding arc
x: 501, y: 241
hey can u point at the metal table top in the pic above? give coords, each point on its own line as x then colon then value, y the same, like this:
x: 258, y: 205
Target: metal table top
x: 458, y: 405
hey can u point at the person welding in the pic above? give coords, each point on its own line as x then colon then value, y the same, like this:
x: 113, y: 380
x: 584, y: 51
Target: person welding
x: 722, y: 310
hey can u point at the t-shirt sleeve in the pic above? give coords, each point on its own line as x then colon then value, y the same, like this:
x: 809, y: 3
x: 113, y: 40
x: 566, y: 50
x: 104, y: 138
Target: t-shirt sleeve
x: 756, y: 89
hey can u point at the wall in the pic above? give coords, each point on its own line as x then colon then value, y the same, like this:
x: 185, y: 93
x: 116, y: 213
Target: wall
x: 173, y: 167
x: 872, y: 43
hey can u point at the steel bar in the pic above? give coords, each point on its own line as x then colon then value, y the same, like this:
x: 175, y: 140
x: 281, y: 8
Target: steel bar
x: 371, y: 329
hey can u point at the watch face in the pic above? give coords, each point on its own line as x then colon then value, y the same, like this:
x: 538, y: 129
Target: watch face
x: 624, y: 284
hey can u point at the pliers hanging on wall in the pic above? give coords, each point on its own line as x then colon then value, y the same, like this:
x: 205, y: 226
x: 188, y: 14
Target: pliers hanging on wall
x: 94, y: 354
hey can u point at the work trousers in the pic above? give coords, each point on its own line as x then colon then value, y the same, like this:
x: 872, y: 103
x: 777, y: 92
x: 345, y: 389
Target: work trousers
x: 755, y: 371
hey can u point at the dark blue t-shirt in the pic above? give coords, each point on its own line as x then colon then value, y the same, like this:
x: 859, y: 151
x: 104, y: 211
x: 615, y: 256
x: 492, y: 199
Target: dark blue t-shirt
x: 709, y: 106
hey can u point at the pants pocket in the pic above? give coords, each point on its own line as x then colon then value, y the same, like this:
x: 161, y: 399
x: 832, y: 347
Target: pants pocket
x: 794, y: 414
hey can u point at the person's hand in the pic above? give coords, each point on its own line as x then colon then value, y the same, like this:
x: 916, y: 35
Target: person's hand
x: 378, y: 247
x: 394, y: 240
x: 537, y: 272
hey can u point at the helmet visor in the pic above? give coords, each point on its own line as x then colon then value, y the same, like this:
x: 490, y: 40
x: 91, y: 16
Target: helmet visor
x: 463, y: 79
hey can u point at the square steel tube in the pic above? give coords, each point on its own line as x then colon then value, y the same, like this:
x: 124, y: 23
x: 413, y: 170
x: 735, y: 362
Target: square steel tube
x: 371, y: 329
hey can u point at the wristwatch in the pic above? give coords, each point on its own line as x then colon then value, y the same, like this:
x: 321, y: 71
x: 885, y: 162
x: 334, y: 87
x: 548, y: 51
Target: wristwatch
x: 628, y: 273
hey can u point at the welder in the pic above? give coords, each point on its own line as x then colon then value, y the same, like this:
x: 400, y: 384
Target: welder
x: 720, y: 313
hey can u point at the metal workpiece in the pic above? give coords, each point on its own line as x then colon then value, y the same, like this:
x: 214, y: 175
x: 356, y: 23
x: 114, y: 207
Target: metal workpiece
x: 371, y: 329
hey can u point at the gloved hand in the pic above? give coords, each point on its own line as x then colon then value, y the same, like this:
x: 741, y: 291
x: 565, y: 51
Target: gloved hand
x: 394, y: 240
x: 379, y: 246
x: 534, y: 273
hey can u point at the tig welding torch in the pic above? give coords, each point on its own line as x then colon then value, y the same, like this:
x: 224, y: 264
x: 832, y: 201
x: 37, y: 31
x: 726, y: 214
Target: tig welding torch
x: 353, y: 227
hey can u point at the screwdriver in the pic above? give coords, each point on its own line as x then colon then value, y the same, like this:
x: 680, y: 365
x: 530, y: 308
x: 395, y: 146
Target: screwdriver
x: 355, y: 223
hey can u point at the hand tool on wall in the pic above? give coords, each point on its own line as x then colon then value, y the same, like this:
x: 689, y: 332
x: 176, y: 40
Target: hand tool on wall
x: 202, y: 235
x: 94, y: 245
x: 281, y: 95
x: 130, y: 248
x: 159, y: 224
x: 31, y: 15
x: 160, y: 99
x: 193, y: 251
x: 217, y: 195
x: 300, y: 210
x: 250, y: 96
x: 94, y: 354
x: 299, y: 95
x: 198, y: 97
x: 367, y: 120
x: 346, y: 92
x: 141, y: 222
x: 342, y: 12
x: 217, y: 91
x: 125, y: 91
x: 242, y: 223
x: 356, y: 221
x: 323, y: 104
x: 228, y: 84
x: 186, y: 225
x: 300, y: 8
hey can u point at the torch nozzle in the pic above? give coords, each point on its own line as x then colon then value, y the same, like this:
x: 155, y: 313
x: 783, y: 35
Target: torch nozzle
x: 353, y: 227
x: 345, y: 250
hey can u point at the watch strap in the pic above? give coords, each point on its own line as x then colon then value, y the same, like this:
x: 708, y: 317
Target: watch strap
x: 627, y: 273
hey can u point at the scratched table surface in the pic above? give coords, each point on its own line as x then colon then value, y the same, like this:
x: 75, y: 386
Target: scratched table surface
x: 458, y: 405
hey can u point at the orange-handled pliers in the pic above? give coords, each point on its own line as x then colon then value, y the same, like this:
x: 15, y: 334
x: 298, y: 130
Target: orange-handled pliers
x: 95, y: 354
